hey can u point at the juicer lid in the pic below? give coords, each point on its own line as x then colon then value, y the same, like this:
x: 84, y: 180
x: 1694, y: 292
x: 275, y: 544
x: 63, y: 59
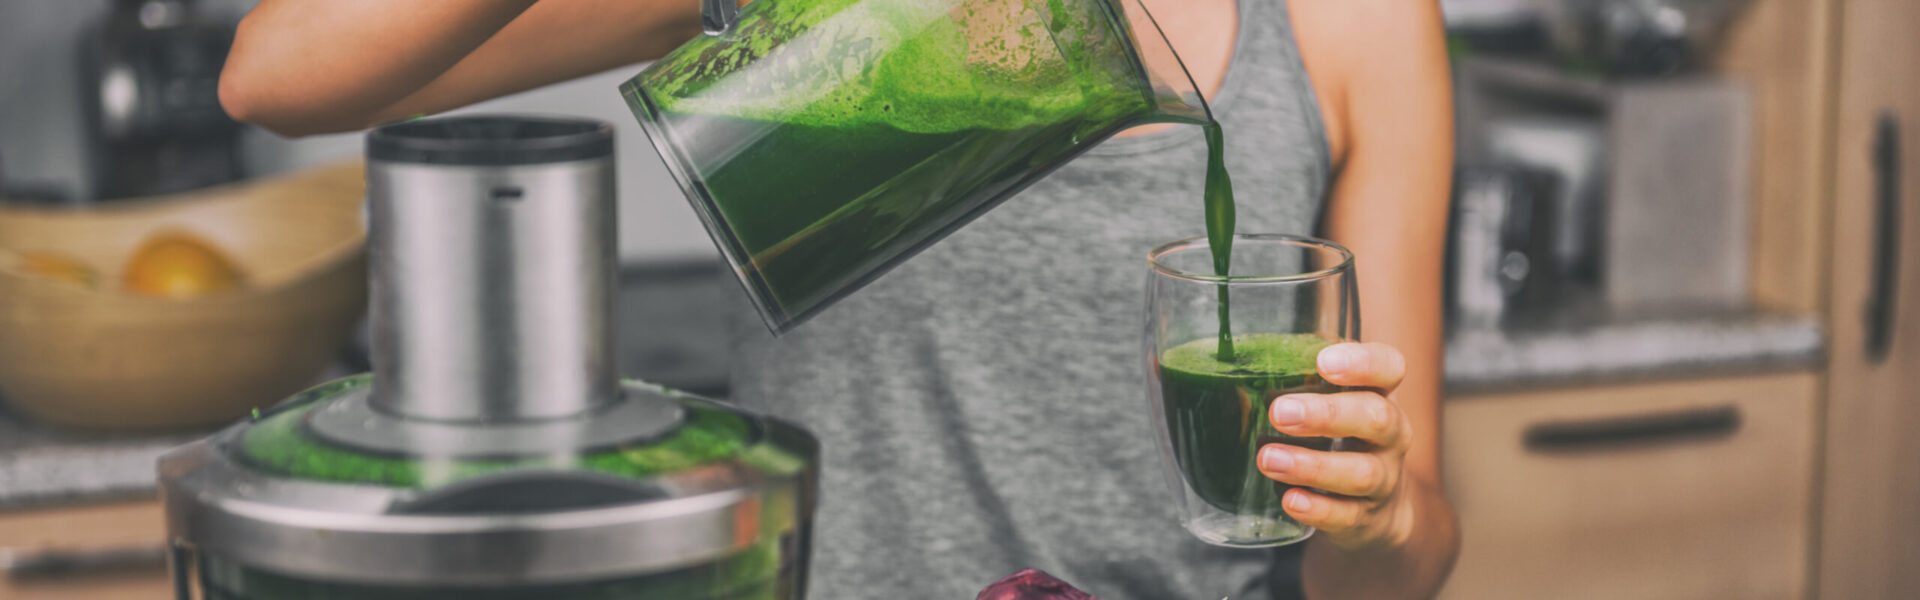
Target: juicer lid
x: 275, y: 494
x: 491, y: 140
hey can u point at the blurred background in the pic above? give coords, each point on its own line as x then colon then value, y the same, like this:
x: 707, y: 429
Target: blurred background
x: 1683, y: 317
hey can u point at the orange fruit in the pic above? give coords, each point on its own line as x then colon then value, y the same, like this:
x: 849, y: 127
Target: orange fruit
x: 178, y: 265
x: 56, y: 266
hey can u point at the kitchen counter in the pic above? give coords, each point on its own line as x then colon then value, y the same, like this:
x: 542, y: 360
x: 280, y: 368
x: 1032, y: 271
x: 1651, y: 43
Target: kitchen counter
x: 671, y: 331
x: 39, y: 466
x: 673, y: 324
x: 1583, y: 350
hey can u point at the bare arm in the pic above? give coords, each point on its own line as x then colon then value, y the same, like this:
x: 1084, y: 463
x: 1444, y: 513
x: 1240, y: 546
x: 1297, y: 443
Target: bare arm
x: 1393, y: 132
x: 301, y: 67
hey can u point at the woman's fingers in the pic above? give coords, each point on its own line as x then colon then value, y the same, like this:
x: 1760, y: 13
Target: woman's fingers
x: 1376, y: 366
x: 1326, y: 513
x: 1365, y: 415
x: 1357, y: 474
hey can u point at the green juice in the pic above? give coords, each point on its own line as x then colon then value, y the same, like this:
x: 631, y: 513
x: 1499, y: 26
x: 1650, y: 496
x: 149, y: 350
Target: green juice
x: 817, y: 209
x: 827, y: 140
x: 1216, y: 413
x: 753, y: 574
x: 1220, y: 221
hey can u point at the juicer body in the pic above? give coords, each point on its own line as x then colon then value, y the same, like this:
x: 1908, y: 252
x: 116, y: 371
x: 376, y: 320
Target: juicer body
x: 493, y: 452
x: 733, y: 528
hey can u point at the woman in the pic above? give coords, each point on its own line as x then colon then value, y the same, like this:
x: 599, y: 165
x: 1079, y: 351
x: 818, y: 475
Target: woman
x: 979, y: 406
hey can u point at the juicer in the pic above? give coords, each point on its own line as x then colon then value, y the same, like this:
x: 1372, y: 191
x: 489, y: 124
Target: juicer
x: 493, y: 452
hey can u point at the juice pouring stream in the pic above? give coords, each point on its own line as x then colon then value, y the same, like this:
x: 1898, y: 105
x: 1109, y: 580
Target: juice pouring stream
x: 824, y: 141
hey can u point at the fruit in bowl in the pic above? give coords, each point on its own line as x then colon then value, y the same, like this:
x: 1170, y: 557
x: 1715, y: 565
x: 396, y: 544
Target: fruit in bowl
x: 176, y: 264
x: 56, y: 266
x: 225, y: 300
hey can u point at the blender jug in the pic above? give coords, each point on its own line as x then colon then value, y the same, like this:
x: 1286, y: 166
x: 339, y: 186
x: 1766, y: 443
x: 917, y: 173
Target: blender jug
x: 824, y: 141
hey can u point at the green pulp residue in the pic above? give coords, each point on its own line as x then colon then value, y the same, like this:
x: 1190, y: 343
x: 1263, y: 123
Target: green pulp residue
x: 278, y: 444
x: 755, y: 573
x: 908, y: 64
x: 1256, y: 354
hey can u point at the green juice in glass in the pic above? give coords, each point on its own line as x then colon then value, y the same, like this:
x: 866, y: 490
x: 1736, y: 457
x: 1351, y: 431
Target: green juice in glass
x: 1216, y: 419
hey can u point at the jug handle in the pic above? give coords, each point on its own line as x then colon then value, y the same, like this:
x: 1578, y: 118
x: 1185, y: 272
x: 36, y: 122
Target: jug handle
x: 716, y: 16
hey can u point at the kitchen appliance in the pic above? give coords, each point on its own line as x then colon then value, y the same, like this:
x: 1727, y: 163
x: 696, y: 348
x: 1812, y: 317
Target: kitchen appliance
x: 1649, y: 214
x: 1643, y: 38
x: 1677, y: 221
x: 824, y: 141
x: 1514, y: 27
x: 492, y: 452
x: 150, y: 80
x: 1570, y: 150
x: 1500, y: 256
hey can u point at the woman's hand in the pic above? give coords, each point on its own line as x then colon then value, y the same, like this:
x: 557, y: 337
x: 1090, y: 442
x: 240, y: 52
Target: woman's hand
x: 1361, y: 506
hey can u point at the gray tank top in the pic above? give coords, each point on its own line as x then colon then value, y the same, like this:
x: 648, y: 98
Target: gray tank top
x: 983, y: 407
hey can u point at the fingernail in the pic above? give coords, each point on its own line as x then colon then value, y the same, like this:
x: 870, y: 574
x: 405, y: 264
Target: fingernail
x: 1275, y: 460
x: 1289, y: 411
x: 1336, y: 359
x: 1300, y: 503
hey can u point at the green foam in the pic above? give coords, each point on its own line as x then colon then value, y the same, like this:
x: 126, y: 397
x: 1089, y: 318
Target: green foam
x: 903, y: 63
x: 278, y: 444
x: 1255, y: 354
x: 755, y: 573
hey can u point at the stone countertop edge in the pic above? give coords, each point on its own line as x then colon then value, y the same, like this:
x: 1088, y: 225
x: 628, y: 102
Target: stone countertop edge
x: 39, y: 469
x: 1480, y: 361
x: 66, y: 472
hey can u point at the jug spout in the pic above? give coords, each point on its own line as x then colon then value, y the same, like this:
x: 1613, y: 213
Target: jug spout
x: 717, y: 16
x: 822, y: 142
x: 1176, y: 96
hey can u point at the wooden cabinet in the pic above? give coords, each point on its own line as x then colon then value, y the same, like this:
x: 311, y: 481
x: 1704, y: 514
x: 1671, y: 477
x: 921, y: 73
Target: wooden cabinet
x: 1836, y: 232
x: 1694, y: 489
x: 136, y: 526
x: 1870, y: 513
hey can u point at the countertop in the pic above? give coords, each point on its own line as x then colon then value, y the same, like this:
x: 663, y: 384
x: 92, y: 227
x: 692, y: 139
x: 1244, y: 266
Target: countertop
x: 1597, y: 350
x: 39, y: 466
x: 672, y: 331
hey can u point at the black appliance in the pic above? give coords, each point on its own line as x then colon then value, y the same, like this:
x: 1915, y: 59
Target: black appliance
x: 150, y: 81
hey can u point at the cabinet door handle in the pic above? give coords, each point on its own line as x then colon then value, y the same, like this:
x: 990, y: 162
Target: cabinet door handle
x: 1886, y: 252
x: 1699, y: 424
x: 21, y: 564
x: 180, y: 563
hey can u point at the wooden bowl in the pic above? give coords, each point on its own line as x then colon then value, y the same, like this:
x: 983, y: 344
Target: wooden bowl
x: 104, y: 358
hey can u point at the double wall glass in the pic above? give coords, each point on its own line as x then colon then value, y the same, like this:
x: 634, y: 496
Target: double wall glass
x: 1285, y: 298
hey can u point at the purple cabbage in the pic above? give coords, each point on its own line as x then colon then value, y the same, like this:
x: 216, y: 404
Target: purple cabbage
x: 1032, y: 584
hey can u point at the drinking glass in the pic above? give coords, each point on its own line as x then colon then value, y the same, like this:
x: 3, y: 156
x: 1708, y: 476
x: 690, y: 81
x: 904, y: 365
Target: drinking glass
x: 1284, y: 299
